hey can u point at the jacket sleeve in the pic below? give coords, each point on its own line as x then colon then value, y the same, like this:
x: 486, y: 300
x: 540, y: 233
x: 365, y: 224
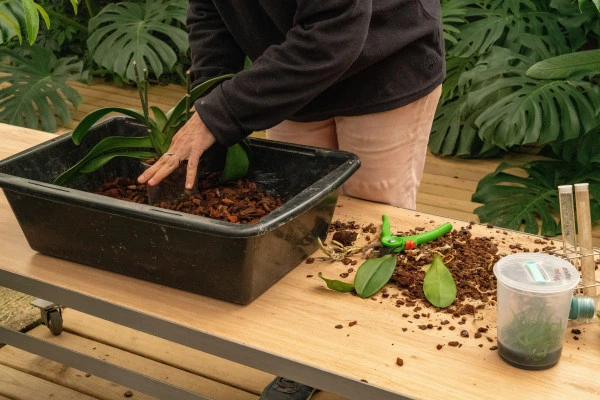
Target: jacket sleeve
x: 327, y: 36
x: 214, y: 51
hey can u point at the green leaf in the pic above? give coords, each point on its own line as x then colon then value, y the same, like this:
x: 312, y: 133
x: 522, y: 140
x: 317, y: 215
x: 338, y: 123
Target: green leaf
x: 531, y: 203
x: 236, y: 163
x: 373, y: 274
x: 336, y: 285
x: 567, y: 65
x: 159, y: 117
x: 9, y: 24
x: 44, y: 15
x: 32, y: 20
x: 89, y: 120
x: 175, y: 113
x: 35, y: 88
x: 518, y: 110
x: 439, y: 286
x: 91, y: 164
x: 74, y: 4
x: 125, y: 32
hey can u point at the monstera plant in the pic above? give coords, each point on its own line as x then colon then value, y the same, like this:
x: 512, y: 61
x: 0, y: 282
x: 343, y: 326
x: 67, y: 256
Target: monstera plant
x: 161, y: 128
x: 522, y: 75
x: 125, y: 32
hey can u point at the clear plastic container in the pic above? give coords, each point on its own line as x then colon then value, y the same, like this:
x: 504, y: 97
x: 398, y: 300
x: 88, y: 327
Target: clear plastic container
x: 534, y: 299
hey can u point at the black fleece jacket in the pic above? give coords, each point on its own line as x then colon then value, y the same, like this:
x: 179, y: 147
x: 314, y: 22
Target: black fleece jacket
x: 312, y: 59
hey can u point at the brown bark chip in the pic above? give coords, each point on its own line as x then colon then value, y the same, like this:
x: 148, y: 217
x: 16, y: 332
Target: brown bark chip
x: 239, y: 202
x: 399, y: 361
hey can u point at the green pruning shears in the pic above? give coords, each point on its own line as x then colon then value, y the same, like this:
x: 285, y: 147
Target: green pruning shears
x: 396, y: 244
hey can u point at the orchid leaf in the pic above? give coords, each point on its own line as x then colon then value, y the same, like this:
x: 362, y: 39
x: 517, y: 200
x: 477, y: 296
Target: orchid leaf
x: 90, y: 162
x: 236, y: 163
x: 373, y: 274
x: 89, y: 120
x: 439, y: 286
x: 180, y: 108
x: 338, y: 286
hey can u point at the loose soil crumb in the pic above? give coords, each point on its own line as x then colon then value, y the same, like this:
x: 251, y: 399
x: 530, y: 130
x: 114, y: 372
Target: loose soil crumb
x: 399, y: 361
x: 469, y: 259
x: 345, y: 237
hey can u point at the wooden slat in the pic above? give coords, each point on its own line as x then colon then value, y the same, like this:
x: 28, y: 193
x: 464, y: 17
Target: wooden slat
x: 190, y: 369
x: 99, y: 388
x: 165, y: 352
x: 445, y: 182
x: 172, y: 354
x: 17, y: 385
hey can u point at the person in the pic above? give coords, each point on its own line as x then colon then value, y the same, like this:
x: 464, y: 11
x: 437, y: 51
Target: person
x: 359, y: 75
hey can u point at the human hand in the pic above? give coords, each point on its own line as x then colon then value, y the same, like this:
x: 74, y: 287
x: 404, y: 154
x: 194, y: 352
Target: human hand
x: 188, y: 143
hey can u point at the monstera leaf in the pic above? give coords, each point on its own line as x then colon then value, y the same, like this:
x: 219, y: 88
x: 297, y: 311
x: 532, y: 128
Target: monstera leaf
x: 583, y: 150
x: 515, y: 110
x: 34, y: 88
x: 126, y: 32
x: 531, y: 203
x: 567, y: 65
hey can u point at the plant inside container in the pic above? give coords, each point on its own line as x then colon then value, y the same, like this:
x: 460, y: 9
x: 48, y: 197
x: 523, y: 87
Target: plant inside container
x: 533, y: 339
x: 160, y: 130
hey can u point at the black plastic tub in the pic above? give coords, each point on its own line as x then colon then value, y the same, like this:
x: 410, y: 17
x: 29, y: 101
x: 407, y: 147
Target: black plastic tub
x: 231, y: 262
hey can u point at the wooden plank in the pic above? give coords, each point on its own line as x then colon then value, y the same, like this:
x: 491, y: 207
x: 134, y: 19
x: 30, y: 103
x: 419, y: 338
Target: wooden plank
x: 138, y: 351
x: 448, y: 182
x: 63, y: 375
x: 166, y: 352
x: 446, y: 213
x: 17, y: 385
x: 444, y: 193
x: 446, y: 202
x: 100, y: 388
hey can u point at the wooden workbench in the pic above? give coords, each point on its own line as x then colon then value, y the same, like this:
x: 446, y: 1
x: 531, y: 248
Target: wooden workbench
x: 290, y: 330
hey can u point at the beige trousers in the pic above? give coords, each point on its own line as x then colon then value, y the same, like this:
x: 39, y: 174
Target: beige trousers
x: 391, y: 145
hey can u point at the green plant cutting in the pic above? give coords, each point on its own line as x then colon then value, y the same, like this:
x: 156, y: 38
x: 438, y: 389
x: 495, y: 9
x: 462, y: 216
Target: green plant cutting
x: 160, y: 131
x: 532, y: 333
x: 375, y: 273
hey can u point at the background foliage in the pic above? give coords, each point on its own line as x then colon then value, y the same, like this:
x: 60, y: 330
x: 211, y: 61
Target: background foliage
x: 523, y: 75
x: 103, y: 37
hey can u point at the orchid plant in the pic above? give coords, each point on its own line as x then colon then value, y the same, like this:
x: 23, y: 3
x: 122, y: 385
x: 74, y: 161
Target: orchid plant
x: 160, y: 131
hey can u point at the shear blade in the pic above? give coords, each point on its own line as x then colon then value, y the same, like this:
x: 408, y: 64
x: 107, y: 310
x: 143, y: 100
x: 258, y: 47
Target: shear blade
x: 385, y: 250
